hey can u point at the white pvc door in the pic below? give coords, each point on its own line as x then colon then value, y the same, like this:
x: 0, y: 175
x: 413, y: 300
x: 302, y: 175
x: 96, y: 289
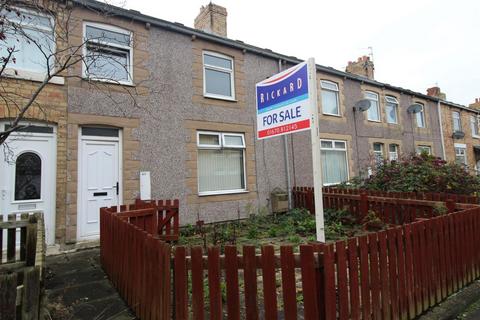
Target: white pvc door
x: 98, y: 183
x: 27, y: 174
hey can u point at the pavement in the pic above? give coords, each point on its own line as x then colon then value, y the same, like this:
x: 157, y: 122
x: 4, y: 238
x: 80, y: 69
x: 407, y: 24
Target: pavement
x: 465, y: 305
x: 77, y: 288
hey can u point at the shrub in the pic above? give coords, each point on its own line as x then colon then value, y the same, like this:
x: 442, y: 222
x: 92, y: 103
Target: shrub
x: 419, y: 173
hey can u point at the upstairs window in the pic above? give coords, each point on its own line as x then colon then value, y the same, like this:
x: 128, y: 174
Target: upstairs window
x: 393, y: 152
x: 108, y: 53
x: 218, y: 76
x: 474, y: 126
x: 221, y: 163
x: 373, y: 113
x: 31, y: 37
x: 330, y: 104
x: 420, y: 117
x: 457, y: 124
x: 391, y: 109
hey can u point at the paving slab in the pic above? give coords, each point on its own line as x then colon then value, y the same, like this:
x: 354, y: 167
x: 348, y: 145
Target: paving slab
x: 77, y: 288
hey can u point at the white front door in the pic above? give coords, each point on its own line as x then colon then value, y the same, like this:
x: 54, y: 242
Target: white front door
x: 27, y: 174
x: 99, y: 181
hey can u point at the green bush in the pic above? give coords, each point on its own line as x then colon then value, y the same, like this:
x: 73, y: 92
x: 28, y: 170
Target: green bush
x: 419, y: 173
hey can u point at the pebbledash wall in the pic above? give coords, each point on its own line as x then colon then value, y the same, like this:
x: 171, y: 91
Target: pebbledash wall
x: 173, y: 109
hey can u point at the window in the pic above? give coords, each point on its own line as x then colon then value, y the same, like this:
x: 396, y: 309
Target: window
x: 32, y: 38
x: 334, y: 161
x: 218, y: 76
x: 457, y: 124
x: 330, y: 104
x: 393, y: 152
x: 420, y: 116
x: 108, y: 53
x: 474, y: 126
x: 391, y: 109
x: 221, y: 162
x: 424, y: 149
x: 28, y: 177
x: 373, y: 113
x: 461, y: 153
x: 378, y: 153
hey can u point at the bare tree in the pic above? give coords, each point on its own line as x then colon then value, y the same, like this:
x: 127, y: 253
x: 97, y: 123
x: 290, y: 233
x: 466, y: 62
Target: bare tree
x: 37, y: 34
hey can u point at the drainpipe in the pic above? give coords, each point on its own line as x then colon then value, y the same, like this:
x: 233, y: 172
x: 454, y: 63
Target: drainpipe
x: 441, y: 129
x: 287, y: 162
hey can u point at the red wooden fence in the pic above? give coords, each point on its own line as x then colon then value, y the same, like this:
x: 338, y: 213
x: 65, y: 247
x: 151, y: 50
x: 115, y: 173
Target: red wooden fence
x: 394, y: 274
x: 392, y: 210
x: 137, y: 262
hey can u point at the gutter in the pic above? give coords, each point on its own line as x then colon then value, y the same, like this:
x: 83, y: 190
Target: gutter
x: 237, y: 44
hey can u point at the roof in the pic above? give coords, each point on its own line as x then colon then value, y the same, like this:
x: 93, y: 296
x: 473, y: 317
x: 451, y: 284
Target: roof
x: 180, y: 28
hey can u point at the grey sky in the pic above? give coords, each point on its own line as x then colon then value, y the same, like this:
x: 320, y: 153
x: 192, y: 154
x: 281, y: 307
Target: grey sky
x: 416, y: 43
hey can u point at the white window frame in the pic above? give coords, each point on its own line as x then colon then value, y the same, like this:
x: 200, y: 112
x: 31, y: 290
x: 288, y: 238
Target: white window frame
x: 23, y: 73
x: 391, y: 100
x: 456, y: 119
x: 221, y: 146
x: 336, y: 91
x: 421, y: 113
x: 108, y: 27
x: 461, y: 147
x: 475, y: 123
x: 378, y: 105
x: 216, y: 68
x: 393, y: 155
x: 333, y: 148
x: 420, y: 149
x: 380, y: 153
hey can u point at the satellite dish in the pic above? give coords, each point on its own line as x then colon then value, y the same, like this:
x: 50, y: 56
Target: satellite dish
x: 414, y: 108
x: 362, y: 105
x: 458, y: 135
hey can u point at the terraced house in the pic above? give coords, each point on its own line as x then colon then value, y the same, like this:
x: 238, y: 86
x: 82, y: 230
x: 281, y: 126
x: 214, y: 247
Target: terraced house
x: 179, y: 102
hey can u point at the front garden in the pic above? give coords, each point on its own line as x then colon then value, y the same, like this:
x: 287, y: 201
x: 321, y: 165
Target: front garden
x: 294, y: 227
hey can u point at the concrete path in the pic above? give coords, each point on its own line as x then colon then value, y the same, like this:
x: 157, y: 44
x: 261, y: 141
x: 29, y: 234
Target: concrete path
x: 77, y: 288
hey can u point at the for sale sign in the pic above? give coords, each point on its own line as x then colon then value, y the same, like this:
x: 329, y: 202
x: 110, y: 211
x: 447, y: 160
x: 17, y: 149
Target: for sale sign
x: 283, y: 103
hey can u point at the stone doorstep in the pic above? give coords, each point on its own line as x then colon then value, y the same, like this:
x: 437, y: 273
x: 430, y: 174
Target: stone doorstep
x: 57, y: 249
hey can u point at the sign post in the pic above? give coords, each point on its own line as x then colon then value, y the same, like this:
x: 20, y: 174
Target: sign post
x: 287, y: 103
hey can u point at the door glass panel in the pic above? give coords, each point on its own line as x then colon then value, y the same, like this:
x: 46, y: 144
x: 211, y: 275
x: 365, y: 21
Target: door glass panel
x: 28, y: 176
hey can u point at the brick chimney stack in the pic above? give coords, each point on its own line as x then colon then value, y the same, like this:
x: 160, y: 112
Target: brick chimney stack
x: 363, y: 67
x: 212, y: 19
x: 476, y: 104
x: 436, y: 92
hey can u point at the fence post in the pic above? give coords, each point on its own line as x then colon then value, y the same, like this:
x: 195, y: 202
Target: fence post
x: 450, y: 204
x: 8, y: 296
x: 310, y: 200
x: 363, y: 205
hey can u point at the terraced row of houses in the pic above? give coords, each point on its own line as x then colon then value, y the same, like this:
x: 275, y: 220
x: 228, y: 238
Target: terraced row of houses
x: 180, y: 104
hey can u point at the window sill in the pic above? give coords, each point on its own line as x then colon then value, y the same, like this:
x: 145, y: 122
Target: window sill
x: 31, y: 76
x: 219, y: 193
x: 375, y: 121
x: 331, y: 115
x: 119, y: 83
x: 209, y: 96
x: 475, y: 136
